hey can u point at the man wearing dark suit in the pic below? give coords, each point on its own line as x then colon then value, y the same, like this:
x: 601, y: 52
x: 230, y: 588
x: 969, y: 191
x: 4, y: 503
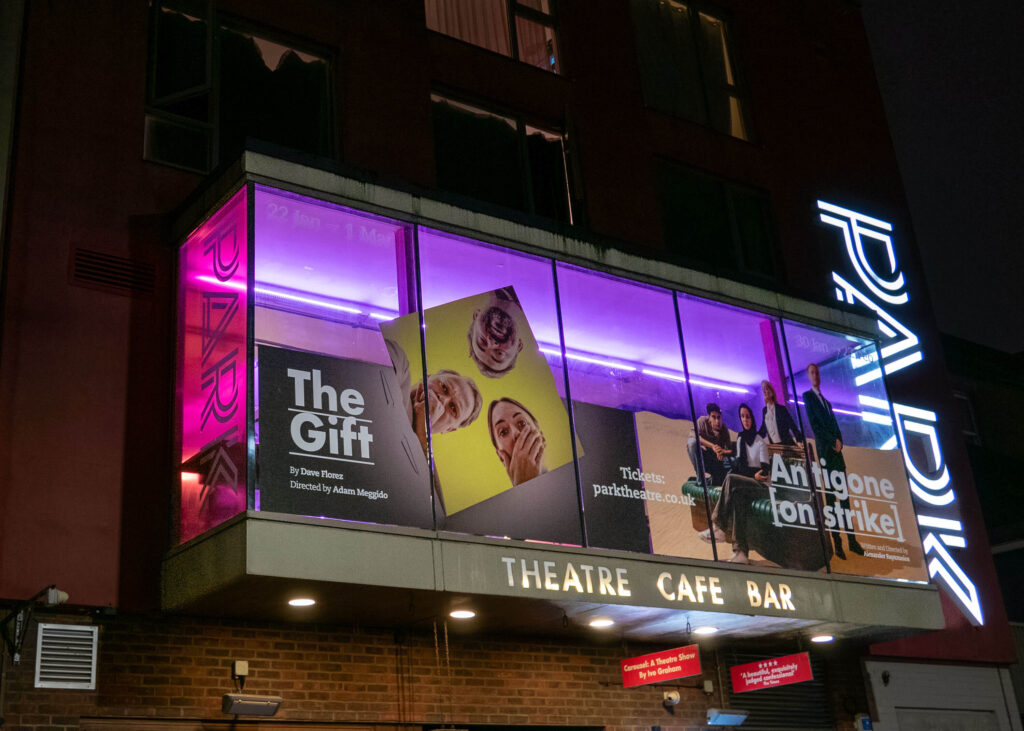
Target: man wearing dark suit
x: 830, y: 447
x: 777, y: 425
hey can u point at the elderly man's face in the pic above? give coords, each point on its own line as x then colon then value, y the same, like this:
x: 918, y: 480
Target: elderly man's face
x: 450, y: 401
x: 768, y: 392
x: 494, y: 338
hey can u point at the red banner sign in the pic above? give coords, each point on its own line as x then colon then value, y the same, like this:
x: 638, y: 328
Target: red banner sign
x: 681, y: 662
x: 771, y: 673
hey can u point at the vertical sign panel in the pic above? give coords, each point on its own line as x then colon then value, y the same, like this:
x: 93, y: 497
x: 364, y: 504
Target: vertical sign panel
x: 212, y: 301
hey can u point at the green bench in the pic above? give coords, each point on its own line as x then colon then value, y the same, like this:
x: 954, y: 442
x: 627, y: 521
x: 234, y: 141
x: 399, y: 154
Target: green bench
x: 790, y: 548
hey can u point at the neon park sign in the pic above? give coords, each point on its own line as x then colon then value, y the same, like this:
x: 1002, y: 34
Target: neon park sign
x: 884, y: 293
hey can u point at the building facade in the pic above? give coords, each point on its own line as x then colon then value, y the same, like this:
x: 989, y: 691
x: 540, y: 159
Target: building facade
x: 552, y: 313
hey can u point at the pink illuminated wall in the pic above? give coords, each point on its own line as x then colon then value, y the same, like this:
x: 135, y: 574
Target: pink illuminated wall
x: 212, y: 370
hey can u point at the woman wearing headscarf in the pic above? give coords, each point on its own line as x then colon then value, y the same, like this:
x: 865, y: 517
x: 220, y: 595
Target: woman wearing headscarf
x: 742, y: 486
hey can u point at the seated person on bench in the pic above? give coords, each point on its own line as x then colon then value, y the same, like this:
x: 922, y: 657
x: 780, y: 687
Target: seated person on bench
x: 715, y: 445
x: 742, y: 486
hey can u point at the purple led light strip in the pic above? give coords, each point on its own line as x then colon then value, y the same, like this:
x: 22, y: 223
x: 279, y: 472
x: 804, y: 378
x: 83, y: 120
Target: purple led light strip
x: 551, y: 350
x: 280, y: 294
x: 619, y: 365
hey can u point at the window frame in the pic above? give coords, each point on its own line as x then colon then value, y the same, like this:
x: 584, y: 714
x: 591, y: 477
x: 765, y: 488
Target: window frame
x: 515, y: 9
x: 217, y: 22
x: 736, y: 266
x: 739, y: 89
x: 520, y: 122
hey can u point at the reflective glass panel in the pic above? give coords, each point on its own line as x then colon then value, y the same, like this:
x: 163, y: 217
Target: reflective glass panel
x: 491, y: 323
x: 631, y: 412
x: 334, y: 428
x: 856, y: 466
x: 745, y: 428
x: 212, y: 306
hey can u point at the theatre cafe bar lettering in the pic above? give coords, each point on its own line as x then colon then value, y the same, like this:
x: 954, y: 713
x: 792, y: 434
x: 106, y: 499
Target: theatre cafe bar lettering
x: 595, y: 581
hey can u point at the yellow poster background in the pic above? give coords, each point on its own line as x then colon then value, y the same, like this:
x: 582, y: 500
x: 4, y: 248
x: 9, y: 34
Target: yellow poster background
x: 468, y: 468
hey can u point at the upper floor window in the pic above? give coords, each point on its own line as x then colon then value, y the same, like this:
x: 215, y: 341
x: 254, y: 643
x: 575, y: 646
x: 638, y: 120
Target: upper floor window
x: 214, y: 83
x: 500, y: 159
x: 687, y: 65
x: 521, y: 29
x: 717, y: 226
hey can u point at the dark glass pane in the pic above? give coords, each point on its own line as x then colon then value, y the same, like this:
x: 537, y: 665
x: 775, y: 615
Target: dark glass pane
x: 180, y: 55
x: 746, y: 431
x: 194, y: 107
x: 752, y: 226
x: 696, y: 219
x: 271, y: 93
x: 491, y: 296
x: 477, y: 154
x: 859, y: 473
x: 668, y: 58
x: 547, y: 174
x: 177, y: 142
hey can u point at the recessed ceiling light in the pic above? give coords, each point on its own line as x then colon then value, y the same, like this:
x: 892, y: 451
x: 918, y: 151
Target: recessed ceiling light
x: 462, y: 614
x: 601, y: 623
x: 822, y: 638
x: 705, y: 630
x: 302, y: 602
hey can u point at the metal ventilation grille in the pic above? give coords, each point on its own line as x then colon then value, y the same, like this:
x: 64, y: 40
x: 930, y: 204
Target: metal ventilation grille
x: 112, y: 273
x: 66, y: 656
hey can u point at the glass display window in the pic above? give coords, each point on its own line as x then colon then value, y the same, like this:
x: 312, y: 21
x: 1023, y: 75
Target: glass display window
x: 855, y: 463
x: 505, y: 467
x: 333, y: 422
x: 743, y: 430
x: 212, y: 372
x: 342, y: 365
x: 631, y: 413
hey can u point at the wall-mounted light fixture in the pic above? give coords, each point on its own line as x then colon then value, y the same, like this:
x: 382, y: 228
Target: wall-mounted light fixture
x: 242, y: 704
x: 239, y: 704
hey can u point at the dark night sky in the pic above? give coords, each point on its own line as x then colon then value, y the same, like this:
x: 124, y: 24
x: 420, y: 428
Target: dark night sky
x: 951, y: 72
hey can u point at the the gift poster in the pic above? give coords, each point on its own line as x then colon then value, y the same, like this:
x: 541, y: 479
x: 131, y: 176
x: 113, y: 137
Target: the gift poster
x: 336, y: 441
x: 499, y: 430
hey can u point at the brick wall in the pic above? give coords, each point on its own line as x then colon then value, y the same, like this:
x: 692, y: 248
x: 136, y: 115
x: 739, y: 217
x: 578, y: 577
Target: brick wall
x: 178, y: 668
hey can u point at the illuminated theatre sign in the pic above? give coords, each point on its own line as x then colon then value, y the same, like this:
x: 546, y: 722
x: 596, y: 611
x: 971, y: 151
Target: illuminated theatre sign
x: 885, y: 293
x: 344, y: 366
